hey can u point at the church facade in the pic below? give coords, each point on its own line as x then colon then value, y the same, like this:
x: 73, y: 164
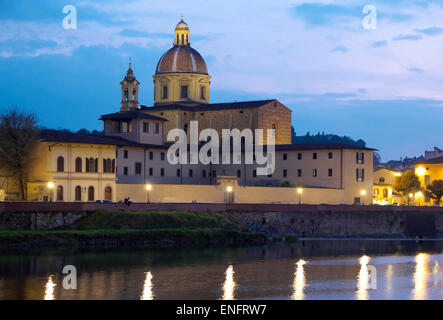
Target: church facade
x: 132, y: 153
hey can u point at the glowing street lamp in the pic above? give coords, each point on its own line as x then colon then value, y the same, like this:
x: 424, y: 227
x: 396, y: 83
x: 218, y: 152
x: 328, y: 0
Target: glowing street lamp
x: 299, y: 191
x: 419, y: 195
x: 420, y: 171
x: 363, y: 194
x: 51, y: 187
x: 148, y: 188
x: 229, y: 190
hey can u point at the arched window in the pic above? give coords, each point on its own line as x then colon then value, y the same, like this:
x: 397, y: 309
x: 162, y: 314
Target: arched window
x: 59, y: 193
x: 183, y: 39
x: 91, y: 193
x: 133, y: 94
x: 186, y: 128
x: 78, y: 164
x: 381, y: 179
x: 78, y: 193
x: 108, y: 193
x: 96, y: 165
x: 113, y: 165
x: 126, y: 94
x: 60, y: 164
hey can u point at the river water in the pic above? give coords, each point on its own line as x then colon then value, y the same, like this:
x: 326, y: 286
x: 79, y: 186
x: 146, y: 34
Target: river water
x: 310, y: 269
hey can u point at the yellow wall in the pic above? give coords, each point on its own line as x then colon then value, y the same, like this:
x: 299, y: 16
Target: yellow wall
x: 434, y: 171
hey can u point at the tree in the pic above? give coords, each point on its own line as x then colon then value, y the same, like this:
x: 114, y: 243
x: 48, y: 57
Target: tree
x: 407, y: 183
x: 435, y: 190
x: 377, y: 159
x: 18, y: 136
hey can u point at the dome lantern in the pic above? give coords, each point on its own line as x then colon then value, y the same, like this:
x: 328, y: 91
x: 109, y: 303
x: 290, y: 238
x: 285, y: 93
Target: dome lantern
x: 181, y: 34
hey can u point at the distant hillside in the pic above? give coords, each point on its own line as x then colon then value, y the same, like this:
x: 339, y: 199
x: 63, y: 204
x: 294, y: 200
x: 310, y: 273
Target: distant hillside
x: 325, y: 138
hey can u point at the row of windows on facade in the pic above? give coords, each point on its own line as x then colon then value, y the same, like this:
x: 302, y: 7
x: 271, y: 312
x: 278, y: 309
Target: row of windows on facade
x: 360, y: 173
x: 359, y: 156
x: 91, y: 165
x: 183, y: 92
x: 78, y: 193
x: 126, y: 126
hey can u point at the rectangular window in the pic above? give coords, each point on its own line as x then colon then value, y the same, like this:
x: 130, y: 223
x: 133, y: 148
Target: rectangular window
x: 298, y: 172
x: 427, y: 180
x: 254, y: 173
x: 125, y: 154
x: 360, y: 174
x: 162, y: 156
x: 138, y: 168
x: 214, y: 173
x: 202, y: 93
x: 191, y: 173
x: 329, y: 155
x: 360, y: 157
x: 151, y: 172
x: 184, y: 92
x: 125, y: 171
x: 314, y: 155
x: 204, y: 173
x: 285, y: 156
x: 314, y: 172
x: 146, y: 127
x: 157, y: 128
x: 162, y: 172
x: 151, y: 155
x: 285, y: 173
x: 385, y: 193
x: 330, y: 172
x: 238, y: 173
x: 299, y: 156
x: 270, y: 175
x: 165, y: 92
x: 178, y: 173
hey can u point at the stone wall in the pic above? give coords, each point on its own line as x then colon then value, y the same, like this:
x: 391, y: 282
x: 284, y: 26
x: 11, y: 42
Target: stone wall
x: 274, y: 219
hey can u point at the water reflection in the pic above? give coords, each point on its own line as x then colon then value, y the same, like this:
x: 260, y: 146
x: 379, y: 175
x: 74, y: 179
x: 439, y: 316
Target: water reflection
x: 147, y: 293
x: 436, y: 273
x: 229, y: 284
x: 389, y: 275
x: 420, y: 276
x: 49, y: 289
x: 299, y: 281
x: 363, y: 279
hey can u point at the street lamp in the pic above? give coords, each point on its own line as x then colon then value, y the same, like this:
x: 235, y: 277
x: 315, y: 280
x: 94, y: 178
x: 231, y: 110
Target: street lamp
x: 148, y: 188
x: 410, y: 197
x: 419, y: 195
x: 299, y: 191
x: 51, y: 187
x: 363, y: 194
x: 229, y: 189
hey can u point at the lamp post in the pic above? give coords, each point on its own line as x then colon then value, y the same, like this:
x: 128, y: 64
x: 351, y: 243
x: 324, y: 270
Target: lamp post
x: 410, y: 197
x: 51, y: 187
x: 363, y: 194
x: 229, y: 189
x: 299, y: 191
x: 148, y: 188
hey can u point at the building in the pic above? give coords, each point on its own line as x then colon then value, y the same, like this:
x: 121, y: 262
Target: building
x: 433, y: 154
x: 427, y: 171
x: 383, y: 190
x: 133, y: 152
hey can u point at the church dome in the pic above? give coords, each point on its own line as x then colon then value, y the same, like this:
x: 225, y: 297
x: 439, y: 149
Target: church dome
x: 181, y: 59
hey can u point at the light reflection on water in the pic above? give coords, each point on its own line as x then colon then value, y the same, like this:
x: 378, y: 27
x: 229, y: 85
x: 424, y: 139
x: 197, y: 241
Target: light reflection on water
x: 229, y: 284
x: 148, y: 293
x: 299, y: 281
x: 281, y: 271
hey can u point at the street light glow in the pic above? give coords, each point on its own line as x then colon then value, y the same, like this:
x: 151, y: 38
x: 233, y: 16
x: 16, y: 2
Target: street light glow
x: 229, y: 188
x: 51, y: 185
x: 420, y: 171
x: 363, y: 192
x: 148, y: 187
x: 299, y: 190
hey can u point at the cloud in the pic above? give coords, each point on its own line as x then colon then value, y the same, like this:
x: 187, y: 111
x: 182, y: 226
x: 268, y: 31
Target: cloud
x: 378, y: 44
x: 434, y: 31
x: 340, y: 49
x: 317, y: 14
x: 416, y: 70
x: 403, y: 37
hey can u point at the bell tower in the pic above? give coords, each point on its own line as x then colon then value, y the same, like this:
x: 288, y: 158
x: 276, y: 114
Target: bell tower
x: 129, y: 87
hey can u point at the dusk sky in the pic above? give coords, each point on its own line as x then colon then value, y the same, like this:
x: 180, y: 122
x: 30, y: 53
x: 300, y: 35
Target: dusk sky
x: 384, y: 86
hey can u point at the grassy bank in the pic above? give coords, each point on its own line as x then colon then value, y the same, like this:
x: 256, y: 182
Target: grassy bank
x: 148, y: 229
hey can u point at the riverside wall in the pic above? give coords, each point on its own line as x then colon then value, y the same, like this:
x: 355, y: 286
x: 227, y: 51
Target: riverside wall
x: 273, y: 219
